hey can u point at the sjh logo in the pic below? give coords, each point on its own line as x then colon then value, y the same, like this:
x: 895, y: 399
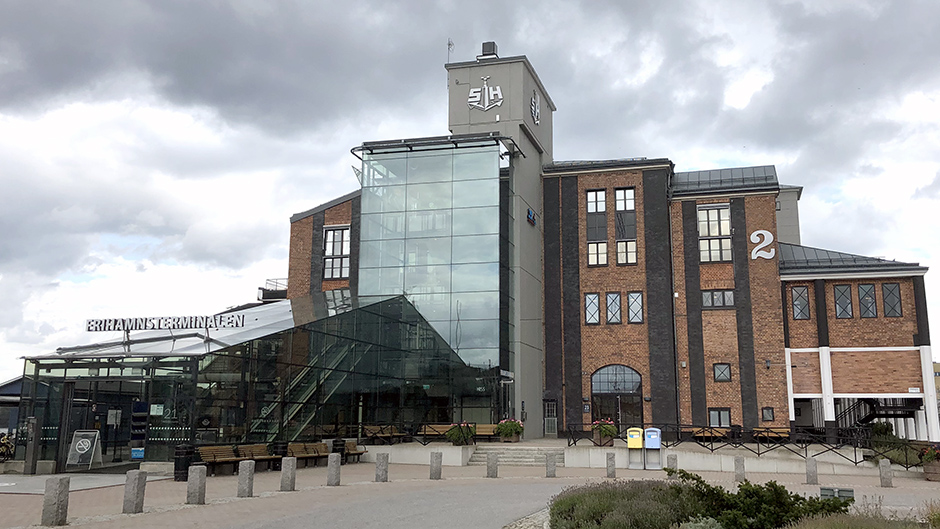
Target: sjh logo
x: 486, y: 97
x: 535, y: 105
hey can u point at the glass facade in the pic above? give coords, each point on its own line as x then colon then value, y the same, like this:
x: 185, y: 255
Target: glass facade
x: 431, y: 230
x: 350, y: 367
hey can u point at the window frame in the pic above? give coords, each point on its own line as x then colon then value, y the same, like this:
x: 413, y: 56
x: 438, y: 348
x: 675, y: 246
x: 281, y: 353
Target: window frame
x: 805, y: 297
x: 715, y: 373
x: 884, y: 301
x: 597, y: 305
x: 627, y: 253
x: 843, y: 313
x: 599, y: 199
x: 330, y: 258
x: 630, y: 297
x: 765, y: 412
x: 707, y: 238
x: 872, y: 307
x: 596, y: 253
x: 722, y: 413
x: 723, y: 297
x: 607, y: 304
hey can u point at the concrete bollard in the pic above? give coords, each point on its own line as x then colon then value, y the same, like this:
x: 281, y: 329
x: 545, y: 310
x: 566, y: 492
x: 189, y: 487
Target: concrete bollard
x: 55, y: 503
x: 332, y: 477
x: 437, y: 458
x: 887, y: 475
x: 672, y: 461
x: 246, y: 479
x: 812, y: 474
x: 196, y: 485
x: 611, y: 465
x: 381, y: 468
x: 492, y: 465
x: 288, y: 474
x: 550, y: 464
x: 739, y: 474
x: 134, y: 488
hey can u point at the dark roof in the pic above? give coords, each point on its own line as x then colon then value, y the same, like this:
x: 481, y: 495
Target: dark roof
x: 595, y: 165
x: 325, y: 206
x: 796, y: 259
x: 735, y: 179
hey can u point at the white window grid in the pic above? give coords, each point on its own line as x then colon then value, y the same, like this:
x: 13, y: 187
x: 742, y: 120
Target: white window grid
x: 597, y: 201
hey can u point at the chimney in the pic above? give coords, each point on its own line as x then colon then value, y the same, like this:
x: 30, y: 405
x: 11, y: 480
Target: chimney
x: 489, y: 51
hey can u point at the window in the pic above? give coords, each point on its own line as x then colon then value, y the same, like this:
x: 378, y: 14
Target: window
x: 625, y: 223
x: 717, y: 299
x: 613, y: 307
x: 719, y: 417
x: 767, y: 414
x: 592, y: 313
x: 635, y: 307
x: 866, y: 301
x: 891, y: 296
x: 596, y: 203
x: 722, y: 372
x: 843, y: 297
x: 714, y: 232
x: 597, y: 253
x: 626, y: 252
x: 800, y: 302
x: 336, y: 253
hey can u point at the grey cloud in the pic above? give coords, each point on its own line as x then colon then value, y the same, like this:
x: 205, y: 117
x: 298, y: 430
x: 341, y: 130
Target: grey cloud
x: 931, y: 190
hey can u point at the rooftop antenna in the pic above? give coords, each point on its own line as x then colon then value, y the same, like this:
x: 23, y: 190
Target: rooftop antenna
x: 450, y: 48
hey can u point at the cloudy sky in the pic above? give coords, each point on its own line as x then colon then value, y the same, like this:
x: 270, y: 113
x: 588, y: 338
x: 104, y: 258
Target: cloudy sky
x: 151, y: 153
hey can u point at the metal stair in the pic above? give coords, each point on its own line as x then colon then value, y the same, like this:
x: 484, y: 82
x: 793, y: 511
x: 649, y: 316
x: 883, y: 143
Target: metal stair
x: 515, y: 455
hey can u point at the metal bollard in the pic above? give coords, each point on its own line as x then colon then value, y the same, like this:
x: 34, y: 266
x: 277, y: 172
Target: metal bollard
x: 55, y: 502
x: 196, y: 485
x: 288, y: 474
x: 246, y: 479
x: 134, y: 488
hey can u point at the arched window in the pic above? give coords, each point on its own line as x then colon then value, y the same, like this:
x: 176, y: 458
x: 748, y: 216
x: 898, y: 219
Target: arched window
x: 617, y: 394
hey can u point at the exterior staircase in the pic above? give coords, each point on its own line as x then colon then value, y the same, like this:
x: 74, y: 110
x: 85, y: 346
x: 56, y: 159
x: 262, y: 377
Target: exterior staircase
x: 511, y: 454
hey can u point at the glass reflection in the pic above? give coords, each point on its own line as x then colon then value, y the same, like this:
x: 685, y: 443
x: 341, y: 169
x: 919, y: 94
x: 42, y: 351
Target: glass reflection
x: 476, y: 221
x: 475, y: 277
x: 476, y: 249
x: 473, y: 193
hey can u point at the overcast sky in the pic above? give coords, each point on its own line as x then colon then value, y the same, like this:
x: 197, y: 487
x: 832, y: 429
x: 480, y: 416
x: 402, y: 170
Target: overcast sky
x: 151, y: 153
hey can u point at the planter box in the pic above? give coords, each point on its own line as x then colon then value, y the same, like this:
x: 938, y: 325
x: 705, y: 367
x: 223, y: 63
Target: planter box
x: 602, y: 440
x: 513, y: 439
x: 932, y: 470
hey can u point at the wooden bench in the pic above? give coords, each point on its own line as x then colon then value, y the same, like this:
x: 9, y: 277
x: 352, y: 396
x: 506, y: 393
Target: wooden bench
x: 428, y: 432
x: 387, y: 434
x: 353, y: 450
x: 308, y: 451
x: 215, y: 456
x: 487, y: 431
x: 258, y: 453
x: 772, y: 435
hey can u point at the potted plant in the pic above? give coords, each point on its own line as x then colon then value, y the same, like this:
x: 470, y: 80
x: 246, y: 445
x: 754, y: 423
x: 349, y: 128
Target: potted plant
x: 930, y: 457
x: 461, y: 434
x: 509, y: 430
x: 604, y: 432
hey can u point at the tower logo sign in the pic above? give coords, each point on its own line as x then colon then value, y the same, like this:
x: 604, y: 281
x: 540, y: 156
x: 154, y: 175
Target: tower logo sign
x: 486, y: 97
x: 535, y: 106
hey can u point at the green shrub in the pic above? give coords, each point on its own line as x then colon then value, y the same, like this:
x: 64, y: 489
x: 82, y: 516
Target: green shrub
x: 882, y: 429
x: 701, y: 522
x: 624, y: 504
x: 852, y: 521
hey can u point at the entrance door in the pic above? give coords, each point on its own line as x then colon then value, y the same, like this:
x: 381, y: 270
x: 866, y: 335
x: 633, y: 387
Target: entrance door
x: 617, y: 394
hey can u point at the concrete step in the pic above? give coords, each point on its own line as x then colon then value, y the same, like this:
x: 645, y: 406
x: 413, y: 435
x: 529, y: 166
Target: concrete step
x: 517, y: 455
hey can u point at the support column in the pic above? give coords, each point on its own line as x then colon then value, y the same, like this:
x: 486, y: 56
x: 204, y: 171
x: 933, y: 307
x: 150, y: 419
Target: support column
x: 790, y: 404
x: 920, y: 424
x: 828, y: 397
x: 930, y: 394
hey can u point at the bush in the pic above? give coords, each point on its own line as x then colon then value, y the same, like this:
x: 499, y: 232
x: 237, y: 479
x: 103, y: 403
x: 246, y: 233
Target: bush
x: 852, y: 521
x: 461, y: 434
x: 624, y: 504
x: 882, y: 429
x: 702, y: 522
x: 509, y: 428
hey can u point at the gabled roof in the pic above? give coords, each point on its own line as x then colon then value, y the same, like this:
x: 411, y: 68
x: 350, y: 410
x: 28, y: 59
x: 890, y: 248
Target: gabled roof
x: 732, y: 179
x: 325, y: 206
x: 802, y: 260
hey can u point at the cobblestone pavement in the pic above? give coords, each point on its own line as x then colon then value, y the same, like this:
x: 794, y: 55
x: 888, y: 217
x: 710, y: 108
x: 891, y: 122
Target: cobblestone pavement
x: 464, y: 498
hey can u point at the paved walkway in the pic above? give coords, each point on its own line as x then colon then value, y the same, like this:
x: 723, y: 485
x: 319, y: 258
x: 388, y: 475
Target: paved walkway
x: 463, y: 499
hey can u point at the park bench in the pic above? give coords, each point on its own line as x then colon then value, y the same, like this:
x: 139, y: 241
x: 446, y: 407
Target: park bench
x: 216, y: 456
x: 387, y: 434
x: 429, y: 432
x: 308, y: 451
x: 258, y: 453
x: 486, y: 431
x: 353, y: 450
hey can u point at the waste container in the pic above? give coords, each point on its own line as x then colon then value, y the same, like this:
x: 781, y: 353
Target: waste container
x: 635, y: 448
x: 182, y: 459
x: 652, y: 449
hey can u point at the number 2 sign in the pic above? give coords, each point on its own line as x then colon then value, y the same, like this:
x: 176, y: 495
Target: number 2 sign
x: 763, y: 239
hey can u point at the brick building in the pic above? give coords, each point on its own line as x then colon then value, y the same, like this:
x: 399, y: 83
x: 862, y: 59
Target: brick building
x: 618, y: 288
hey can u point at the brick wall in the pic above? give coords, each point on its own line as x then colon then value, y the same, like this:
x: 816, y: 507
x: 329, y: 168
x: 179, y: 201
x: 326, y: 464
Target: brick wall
x: 802, y: 332
x: 720, y: 336
x: 766, y: 315
x: 681, y: 308
x: 872, y: 332
x: 626, y: 343
x: 806, y: 377
x: 338, y: 214
x: 298, y: 261
x: 876, y: 371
